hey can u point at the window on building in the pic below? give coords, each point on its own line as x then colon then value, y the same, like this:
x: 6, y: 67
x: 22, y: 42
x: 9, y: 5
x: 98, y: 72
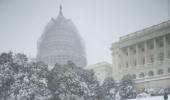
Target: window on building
x: 168, y: 39
x: 134, y: 62
x: 169, y: 54
x: 143, y: 61
x: 142, y: 49
x: 151, y: 46
x: 141, y: 75
x: 127, y: 65
x: 126, y: 53
x: 160, y: 71
x: 120, y: 66
x: 152, y: 58
x: 169, y: 70
x: 161, y: 44
x: 133, y: 49
x: 151, y: 73
x: 161, y: 56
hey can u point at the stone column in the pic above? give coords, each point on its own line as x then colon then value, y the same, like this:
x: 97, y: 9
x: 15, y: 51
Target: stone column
x: 117, y: 69
x: 123, y: 58
x: 145, y: 50
x: 128, y: 48
x: 155, y: 51
x: 165, y: 47
x: 137, y: 55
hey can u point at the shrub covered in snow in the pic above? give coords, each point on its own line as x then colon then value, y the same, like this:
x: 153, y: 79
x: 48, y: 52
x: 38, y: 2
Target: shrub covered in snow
x: 69, y: 82
x: 156, y: 91
x: 109, y: 88
x: 126, y: 88
x: 20, y: 80
x: 142, y: 95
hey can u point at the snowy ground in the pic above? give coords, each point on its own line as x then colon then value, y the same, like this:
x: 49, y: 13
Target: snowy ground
x: 152, y: 98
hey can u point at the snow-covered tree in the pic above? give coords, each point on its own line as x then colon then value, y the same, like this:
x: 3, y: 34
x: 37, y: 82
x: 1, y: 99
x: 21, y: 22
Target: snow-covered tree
x: 109, y: 88
x: 20, y: 58
x: 6, y: 75
x: 64, y: 83
x: 92, y: 84
x: 20, y: 80
x: 69, y: 82
x: 126, y: 89
x: 23, y: 80
x: 6, y: 58
x: 30, y: 82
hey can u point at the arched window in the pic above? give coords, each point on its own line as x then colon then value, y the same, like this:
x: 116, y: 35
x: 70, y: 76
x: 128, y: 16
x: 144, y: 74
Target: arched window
x: 151, y: 73
x: 160, y: 71
x: 134, y: 76
x: 169, y: 70
x: 141, y: 75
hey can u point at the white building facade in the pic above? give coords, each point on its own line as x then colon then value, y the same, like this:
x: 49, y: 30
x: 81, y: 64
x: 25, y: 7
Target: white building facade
x: 145, y: 55
x: 102, y: 70
x: 61, y: 42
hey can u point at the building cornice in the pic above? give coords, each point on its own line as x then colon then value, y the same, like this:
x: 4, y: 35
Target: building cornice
x: 146, y: 30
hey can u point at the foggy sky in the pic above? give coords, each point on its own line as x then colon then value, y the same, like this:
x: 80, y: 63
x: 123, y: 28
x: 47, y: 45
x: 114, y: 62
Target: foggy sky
x: 100, y: 22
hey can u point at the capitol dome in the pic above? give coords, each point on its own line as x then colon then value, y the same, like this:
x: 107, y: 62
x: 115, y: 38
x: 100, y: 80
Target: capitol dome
x: 61, y: 42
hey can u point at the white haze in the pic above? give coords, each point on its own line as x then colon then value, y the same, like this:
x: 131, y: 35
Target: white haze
x: 100, y: 22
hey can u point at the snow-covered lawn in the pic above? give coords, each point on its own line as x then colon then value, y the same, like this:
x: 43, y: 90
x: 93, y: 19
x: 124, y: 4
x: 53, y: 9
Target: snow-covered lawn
x: 152, y: 98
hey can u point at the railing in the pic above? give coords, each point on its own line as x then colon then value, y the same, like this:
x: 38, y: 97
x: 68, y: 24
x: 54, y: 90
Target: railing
x: 153, y: 78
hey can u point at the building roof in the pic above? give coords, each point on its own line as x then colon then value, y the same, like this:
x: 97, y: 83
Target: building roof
x: 139, y: 34
x: 99, y: 65
x: 146, y: 30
